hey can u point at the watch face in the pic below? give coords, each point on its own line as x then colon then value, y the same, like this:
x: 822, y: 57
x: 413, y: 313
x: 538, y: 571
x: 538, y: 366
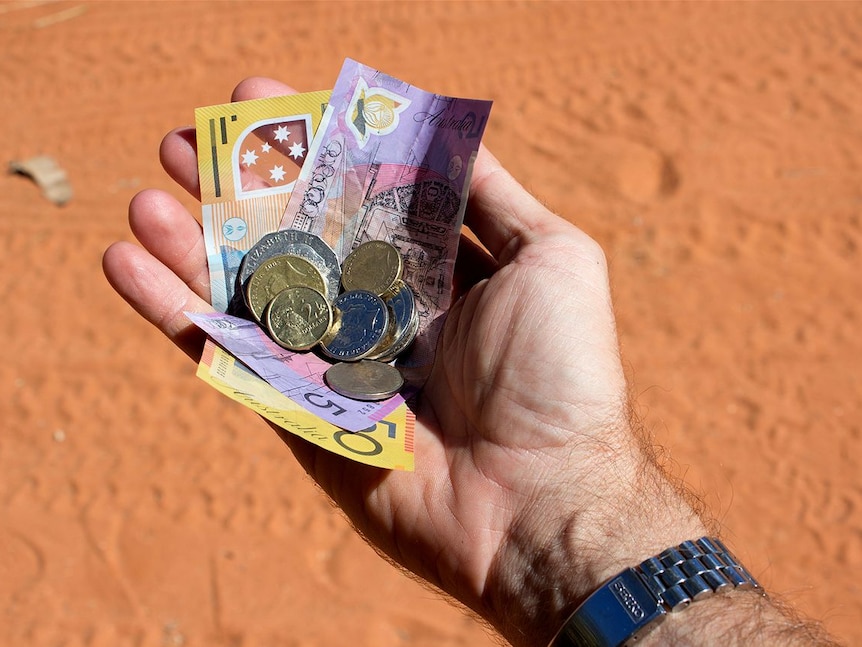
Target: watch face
x: 622, y: 609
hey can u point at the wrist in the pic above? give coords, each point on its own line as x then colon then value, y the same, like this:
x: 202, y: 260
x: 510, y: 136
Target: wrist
x: 575, y: 537
x: 635, y: 601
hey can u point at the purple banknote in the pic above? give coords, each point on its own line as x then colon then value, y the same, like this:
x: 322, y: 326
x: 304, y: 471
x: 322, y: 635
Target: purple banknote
x: 393, y: 162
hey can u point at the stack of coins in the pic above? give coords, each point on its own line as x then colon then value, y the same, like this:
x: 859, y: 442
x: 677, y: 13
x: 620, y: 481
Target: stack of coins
x: 290, y: 284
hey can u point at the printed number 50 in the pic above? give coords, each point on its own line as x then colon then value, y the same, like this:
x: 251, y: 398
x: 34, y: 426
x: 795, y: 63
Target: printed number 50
x: 351, y: 441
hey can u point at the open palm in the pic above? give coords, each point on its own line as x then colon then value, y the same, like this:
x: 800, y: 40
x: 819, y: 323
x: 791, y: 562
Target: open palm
x: 526, y: 382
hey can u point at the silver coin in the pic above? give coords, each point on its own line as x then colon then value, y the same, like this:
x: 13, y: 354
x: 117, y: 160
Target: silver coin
x: 296, y: 243
x: 361, y: 319
x: 366, y: 380
x: 402, y: 312
x: 403, y: 342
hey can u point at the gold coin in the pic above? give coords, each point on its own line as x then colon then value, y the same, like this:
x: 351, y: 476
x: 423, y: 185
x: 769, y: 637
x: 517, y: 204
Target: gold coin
x: 277, y: 274
x: 375, y: 266
x: 298, y: 318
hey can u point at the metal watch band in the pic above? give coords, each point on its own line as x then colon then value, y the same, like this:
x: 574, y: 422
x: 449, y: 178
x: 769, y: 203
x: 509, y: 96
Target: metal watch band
x: 632, y: 603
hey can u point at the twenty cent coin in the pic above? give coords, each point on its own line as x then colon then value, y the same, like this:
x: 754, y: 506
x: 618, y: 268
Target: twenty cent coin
x: 298, y: 318
x: 365, y: 380
x: 402, y: 311
x: 403, y: 324
x: 360, y: 321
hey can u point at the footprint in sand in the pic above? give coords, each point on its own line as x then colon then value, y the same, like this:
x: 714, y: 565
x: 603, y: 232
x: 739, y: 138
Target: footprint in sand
x: 643, y: 174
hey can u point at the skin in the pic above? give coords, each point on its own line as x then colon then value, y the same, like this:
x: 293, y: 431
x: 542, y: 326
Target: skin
x: 533, y: 483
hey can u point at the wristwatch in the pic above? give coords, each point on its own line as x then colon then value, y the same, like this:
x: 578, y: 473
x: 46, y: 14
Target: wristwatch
x: 632, y: 603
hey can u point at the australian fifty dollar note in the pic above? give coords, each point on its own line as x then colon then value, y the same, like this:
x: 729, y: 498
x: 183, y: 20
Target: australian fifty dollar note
x: 388, y: 443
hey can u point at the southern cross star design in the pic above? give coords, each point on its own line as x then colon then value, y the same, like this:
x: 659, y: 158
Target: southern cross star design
x: 249, y: 158
x: 281, y: 134
x: 297, y: 150
x: 277, y: 174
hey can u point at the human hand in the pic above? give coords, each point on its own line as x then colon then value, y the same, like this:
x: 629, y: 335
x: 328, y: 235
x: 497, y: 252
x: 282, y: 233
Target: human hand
x: 532, y: 484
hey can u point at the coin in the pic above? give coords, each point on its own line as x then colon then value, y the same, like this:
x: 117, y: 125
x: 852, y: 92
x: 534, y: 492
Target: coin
x: 360, y: 321
x: 402, y: 312
x: 374, y: 266
x: 401, y: 343
x: 297, y: 318
x: 297, y: 243
x: 365, y: 380
x: 277, y: 274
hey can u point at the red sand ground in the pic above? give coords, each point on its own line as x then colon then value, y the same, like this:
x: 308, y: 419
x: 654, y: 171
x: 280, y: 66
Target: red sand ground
x: 714, y: 150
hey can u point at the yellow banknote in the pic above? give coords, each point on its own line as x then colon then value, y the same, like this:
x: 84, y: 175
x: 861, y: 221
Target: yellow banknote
x: 249, y: 156
x: 389, y: 444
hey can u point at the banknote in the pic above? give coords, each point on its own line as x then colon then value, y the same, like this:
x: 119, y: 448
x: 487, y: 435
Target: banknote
x: 299, y: 376
x: 249, y: 156
x: 388, y: 443
x: 392, y: 162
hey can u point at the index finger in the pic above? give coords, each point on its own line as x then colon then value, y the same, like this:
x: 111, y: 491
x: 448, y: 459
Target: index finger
x: 503, y: 214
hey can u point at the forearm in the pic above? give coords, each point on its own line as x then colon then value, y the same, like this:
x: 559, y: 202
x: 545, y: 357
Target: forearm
x: 737, y: 618
x: 547, y: 569
x: 565, y: 547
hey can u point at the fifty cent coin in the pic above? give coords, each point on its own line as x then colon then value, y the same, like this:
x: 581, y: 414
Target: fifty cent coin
x: 297, y: 243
